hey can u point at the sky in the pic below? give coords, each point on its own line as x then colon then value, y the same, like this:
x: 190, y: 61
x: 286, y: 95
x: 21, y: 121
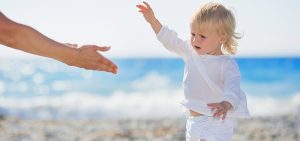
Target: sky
x: 270, y: 28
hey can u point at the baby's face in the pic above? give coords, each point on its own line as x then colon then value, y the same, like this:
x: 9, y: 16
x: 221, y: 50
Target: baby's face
x: 206, y: 41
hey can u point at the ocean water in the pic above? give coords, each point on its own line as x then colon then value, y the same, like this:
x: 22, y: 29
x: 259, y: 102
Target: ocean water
x: 143, y: 88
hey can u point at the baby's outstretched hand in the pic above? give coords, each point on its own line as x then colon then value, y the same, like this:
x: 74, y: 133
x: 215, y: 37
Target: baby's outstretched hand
x: 220, y: 109
x: 147, y: 11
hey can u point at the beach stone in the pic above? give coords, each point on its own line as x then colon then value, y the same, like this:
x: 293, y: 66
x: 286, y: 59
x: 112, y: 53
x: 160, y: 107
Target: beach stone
x: 280, y: 128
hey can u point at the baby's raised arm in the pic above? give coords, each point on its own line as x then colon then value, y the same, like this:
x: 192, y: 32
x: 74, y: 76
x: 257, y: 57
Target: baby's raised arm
x: 149, y: 16
x: 167, y: 37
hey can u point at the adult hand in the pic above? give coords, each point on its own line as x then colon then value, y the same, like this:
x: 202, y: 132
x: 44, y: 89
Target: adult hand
x: 27, y: 39
x: 88, y: 57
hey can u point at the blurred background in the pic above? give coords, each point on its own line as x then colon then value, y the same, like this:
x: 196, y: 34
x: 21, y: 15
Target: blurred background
x: 148, y: 85
x: 268, y: 56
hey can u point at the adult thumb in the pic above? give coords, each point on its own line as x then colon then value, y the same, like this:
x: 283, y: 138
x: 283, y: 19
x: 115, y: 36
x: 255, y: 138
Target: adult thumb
x: 102, y: 48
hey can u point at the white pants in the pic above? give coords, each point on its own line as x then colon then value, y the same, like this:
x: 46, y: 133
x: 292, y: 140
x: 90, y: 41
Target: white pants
x: 208, y: 129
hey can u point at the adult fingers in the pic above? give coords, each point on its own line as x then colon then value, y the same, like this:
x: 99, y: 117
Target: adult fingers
x: 104, y: 60
x: 95, y: 47
x: 108, y: 65
x: 103, y: 48
x: 103, y: 67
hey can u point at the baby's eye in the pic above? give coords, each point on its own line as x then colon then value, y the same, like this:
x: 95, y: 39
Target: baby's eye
x: 192, y: 34
x: 202, y: 36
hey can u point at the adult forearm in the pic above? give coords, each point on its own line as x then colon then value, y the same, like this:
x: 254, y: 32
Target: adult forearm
x: 29, y: 40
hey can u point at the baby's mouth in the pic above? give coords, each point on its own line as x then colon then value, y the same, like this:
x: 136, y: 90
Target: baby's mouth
x: 197, y: 47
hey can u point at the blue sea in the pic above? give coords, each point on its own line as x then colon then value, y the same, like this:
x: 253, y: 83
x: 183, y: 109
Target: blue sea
x: 143, y: 88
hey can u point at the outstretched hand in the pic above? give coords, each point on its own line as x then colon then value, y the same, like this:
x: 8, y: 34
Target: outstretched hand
x: 149, y: 16
x: 88, y: 57
x: 220, y: 109
x: 147, y: 11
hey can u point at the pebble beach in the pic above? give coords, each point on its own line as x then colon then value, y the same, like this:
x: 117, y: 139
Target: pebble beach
x: 278, y: 128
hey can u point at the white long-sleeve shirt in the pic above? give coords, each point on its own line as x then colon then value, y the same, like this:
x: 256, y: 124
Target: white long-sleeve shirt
x: 207, y: 78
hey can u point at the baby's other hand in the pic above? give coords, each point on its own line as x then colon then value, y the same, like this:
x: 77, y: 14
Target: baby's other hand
x: 220, y: 109
x: 147, y: 11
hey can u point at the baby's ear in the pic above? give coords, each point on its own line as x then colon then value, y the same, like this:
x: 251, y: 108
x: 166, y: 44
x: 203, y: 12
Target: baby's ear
x: 223, y: 38
x: 222, y: 35
x: 222, y: 41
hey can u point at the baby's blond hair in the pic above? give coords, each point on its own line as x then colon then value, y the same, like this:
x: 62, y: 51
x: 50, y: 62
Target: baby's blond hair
x: 215, y: 15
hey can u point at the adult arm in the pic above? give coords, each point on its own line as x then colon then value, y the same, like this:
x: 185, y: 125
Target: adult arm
x: 27, y: 39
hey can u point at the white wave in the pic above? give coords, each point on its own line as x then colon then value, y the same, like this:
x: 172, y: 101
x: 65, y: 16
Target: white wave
x: 274, y: 106
x: 152, y: 97
x: 81, y: 105
x: 154, y: 104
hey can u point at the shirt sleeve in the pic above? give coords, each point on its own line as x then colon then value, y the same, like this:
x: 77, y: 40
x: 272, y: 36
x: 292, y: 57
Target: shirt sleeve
x: 172, y: 42
x: 232, y: 77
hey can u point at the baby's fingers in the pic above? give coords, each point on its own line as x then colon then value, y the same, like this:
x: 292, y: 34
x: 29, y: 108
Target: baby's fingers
x: 147, y: 5
x: 141, y: 7
x: 214, y: 105
x: 224, y: 116
x: 218, y: 113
